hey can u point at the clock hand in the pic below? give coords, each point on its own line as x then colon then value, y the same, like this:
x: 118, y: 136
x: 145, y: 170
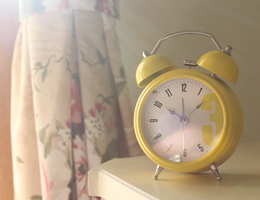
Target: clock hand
x: 197, y: 107
x: 183, y: 112
x: 172, y: 112
x: 184, y: 141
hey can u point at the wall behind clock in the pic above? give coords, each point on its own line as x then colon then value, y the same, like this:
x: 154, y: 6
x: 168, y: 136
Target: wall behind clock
x: 143, y: 22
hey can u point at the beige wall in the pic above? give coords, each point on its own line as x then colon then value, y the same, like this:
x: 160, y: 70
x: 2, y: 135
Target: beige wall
x: 236, y: 22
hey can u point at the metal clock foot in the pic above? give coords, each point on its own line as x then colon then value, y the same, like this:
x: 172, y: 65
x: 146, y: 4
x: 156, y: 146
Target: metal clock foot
x: 157, y: 172
x: 215, y: 171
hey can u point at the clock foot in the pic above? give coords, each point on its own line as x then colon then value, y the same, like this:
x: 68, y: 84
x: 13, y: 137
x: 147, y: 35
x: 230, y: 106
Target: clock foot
x: 215, y: 171
x: 157, y: 172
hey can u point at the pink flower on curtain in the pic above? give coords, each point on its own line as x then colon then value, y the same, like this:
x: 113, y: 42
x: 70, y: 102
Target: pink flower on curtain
x: 48, y: 185
x: 68, y: 123
x: 110, y: 125
x: 76, y: 108
x: 63, y: 5
x: 102, y: 6
x: 81, y: 168
x: 98, y: 106
x: 92, y: 112
x: 77, y: 125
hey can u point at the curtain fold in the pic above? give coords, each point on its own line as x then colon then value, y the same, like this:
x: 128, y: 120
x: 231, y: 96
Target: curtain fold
x: 70, y: 110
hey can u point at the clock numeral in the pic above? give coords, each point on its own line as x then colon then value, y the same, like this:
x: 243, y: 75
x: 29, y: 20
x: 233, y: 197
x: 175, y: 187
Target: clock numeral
x: 200, y: 147
x: 154, y: 91
x: 158, y: 104
x: 200, y: 91
x: 157, y: 136
x: 168, y: 92
x: 183, y: 87
x: 209, y: 138
x: 153, y: 120
x: 169, y: 147
x: 185, y: 154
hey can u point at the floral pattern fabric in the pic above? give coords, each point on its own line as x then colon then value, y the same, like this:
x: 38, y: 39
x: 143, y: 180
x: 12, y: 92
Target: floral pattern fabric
x: 70, y: 109
x: 29, y: 7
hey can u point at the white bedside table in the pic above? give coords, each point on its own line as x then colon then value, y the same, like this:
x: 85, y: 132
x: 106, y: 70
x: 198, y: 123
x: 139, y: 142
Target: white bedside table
x: 132, y: 179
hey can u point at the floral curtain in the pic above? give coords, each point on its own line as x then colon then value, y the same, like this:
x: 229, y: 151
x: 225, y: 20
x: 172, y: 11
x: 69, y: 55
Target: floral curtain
x: 70, y: 110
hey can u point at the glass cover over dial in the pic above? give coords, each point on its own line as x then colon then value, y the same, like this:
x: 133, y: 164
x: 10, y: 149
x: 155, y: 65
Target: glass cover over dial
x: 182, y: 120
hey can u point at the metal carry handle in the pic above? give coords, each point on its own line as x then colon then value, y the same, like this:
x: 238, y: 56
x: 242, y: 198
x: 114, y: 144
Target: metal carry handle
x: 185, y: 33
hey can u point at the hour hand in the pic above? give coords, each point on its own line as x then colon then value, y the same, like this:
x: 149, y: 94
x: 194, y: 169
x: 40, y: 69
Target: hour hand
x: 172, y: 112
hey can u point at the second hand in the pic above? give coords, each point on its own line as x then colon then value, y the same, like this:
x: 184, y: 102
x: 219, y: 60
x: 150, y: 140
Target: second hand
x: 183, y: 130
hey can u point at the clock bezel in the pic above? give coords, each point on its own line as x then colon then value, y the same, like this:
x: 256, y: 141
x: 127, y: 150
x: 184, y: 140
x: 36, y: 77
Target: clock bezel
x: 226, y: 137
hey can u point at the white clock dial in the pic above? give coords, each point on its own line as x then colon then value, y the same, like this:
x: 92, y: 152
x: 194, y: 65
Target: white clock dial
x: 182, y: 120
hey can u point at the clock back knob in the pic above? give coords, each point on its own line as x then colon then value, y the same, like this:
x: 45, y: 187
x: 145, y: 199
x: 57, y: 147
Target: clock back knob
x: 220, y: 63
x: 151, y: 67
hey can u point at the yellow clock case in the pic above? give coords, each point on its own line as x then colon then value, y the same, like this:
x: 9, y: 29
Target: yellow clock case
x: 232, y: 126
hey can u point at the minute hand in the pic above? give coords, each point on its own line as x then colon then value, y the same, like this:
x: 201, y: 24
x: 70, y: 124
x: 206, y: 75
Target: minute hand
x: 197, y: 107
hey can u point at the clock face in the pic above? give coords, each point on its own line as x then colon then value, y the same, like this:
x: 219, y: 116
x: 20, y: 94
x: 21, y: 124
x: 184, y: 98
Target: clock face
x: 182, y: 120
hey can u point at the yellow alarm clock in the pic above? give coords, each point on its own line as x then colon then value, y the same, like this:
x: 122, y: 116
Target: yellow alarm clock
x: 186, y: 120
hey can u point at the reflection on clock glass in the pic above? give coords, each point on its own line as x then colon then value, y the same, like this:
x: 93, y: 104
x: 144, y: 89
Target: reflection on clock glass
x: 182, y: 120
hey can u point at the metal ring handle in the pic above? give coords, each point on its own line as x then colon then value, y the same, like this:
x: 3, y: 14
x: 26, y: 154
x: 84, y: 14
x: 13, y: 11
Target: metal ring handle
x: 185, y: 33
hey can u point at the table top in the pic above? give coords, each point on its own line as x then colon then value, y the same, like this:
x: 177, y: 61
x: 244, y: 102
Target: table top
x: 240, y: 179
